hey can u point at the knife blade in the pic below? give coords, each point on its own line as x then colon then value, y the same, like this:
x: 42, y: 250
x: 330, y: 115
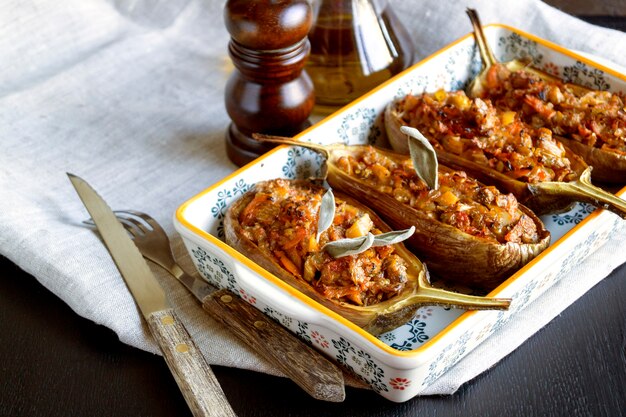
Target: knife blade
x: 193, y: 375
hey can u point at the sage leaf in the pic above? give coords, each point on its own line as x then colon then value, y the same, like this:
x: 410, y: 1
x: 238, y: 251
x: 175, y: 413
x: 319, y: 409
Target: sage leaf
x: 327, y: 213
x: 391, y: 238
x: 356, y: 245
x: 349, y: 246
x: 423, y: 156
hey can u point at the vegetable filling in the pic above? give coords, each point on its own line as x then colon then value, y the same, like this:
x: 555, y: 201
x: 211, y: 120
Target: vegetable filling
x: 281, y: 219
x: 475, y: 130
x: 460, y: 201
x: 594, y: 118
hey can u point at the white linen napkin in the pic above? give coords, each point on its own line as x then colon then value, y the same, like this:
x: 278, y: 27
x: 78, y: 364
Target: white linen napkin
x: 129, y: 96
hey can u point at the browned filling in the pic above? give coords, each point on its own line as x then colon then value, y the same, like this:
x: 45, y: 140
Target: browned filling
x: 476, y: 130
x: 460, y: 201
x: 595, y: 118
x: 282, y: 219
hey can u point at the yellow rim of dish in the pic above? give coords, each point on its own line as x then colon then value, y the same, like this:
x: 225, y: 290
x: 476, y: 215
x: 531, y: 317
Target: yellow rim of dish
x: 324, y: 310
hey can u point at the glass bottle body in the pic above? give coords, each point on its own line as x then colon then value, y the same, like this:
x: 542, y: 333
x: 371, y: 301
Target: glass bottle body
x: 355, y: 45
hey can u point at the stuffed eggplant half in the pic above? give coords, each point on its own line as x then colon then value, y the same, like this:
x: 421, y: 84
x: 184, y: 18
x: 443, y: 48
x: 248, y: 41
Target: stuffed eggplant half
x: 377, y: 287
x: 591, y: 123
x: 467, y: 233
x: 497, y: 147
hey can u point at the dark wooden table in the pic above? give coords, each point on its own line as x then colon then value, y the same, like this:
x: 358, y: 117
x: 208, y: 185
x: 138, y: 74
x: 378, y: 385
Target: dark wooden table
x: 55, y: 363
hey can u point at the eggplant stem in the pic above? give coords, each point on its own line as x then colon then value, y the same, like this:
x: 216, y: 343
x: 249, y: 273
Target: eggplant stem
x: 438, y: 296
x: 427, y: 294
x: 289, y: 141
x: 486, y: 54
x: 583, y: 190
x: 424, y: 295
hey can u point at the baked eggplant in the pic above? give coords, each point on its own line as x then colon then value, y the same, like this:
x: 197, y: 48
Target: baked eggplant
x: 467, y: 233
x: 379, y: 288
x: 498, y: 148
x: 591, y: 123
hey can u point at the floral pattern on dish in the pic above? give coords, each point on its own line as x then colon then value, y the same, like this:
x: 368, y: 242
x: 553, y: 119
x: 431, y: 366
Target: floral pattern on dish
x: 514, y: 46
x: 213, y: 269
x: 358, y: 127
x: 361, y: 364
x: 581, y: 74
x: 224, y: 198
x: 302, y: 163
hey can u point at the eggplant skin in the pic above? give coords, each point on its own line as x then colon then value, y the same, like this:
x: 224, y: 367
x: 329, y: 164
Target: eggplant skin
x: 377, y: 318
x: 608, y: 167
x: 454, y: 256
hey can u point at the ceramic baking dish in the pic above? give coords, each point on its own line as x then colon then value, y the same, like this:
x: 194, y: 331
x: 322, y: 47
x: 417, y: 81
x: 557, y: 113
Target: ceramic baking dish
x: 401, y: 363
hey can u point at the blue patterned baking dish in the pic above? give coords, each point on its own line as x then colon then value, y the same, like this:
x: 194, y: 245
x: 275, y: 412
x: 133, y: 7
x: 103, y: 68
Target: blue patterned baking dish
x: 400, y: 363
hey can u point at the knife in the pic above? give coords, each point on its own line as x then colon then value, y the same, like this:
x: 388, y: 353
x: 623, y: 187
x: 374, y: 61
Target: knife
x: 193, y: 375
x: 305, y: 366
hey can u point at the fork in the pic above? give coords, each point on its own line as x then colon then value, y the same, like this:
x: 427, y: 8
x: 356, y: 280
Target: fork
x: 301, y: 363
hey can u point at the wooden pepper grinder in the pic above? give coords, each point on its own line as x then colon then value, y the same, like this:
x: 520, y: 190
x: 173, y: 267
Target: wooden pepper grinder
x: 268, y: 91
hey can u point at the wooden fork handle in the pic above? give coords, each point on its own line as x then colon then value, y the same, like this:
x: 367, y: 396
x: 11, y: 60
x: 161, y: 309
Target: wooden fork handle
x: 193, y: 375
x: 301, y: 363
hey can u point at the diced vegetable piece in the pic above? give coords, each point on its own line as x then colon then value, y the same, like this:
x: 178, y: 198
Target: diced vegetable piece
x: 508, y: 117
x: 461, y: 101
x: 453, y: 144
x: 448, y: 198
x: 440, y: 95
x: 287, y: 263
x: 360, y: 227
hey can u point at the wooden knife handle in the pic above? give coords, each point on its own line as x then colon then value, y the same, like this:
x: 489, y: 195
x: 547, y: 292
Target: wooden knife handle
x: 301, y: 363
x: 191, y: 371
